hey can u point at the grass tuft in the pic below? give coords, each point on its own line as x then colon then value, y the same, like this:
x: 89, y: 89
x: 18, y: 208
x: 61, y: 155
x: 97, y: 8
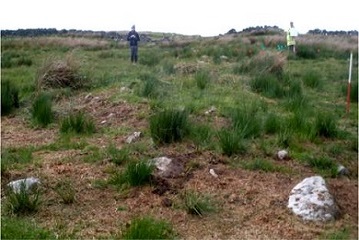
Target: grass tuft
x: 148, y: 228
x: 77, y: 123
x: 9, y: 97
x: 42, y: 112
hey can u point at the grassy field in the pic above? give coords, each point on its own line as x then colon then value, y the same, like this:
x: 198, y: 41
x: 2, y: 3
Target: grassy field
x: 226, y: 103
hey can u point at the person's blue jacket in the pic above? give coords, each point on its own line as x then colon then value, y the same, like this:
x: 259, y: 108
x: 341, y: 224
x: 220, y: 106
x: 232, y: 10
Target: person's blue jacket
x: 133, y: 38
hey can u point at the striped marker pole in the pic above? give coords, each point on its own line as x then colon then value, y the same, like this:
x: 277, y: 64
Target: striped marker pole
x: 349, y: 80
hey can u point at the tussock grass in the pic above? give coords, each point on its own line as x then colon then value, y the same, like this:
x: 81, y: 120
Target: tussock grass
x: 65, y: 189
x: 22, y: 228
x: 325, y: 125
x: 137, y: 173
x: 42, y: 112
x: 148, y: 228
x: 9, y: 97
x: 169, y: 126
x: 78, y: 123
x: 198, y: 204
x: 22, y: 202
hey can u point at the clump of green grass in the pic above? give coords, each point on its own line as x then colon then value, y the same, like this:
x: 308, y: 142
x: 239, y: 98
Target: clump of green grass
x: 198, y: 204
x: 117, y: 156
x: 202, y: 78
x: 148, y: 228
x: 168, y: 67
x: 232, y: 142
x: 66, y: 191
x: 10, y: 157
x: 9, y: 97
x: 324, y: 165
x: 260, y: 164
x: 20, y: 228
x: 201, y: 134
x: 325, y: 125
x: 312, y: 79
x: 42, y: 112
x: 78, y: 123
x: 272, y: 123
x: 150, y: 59
x: 23, y: 201
x: 246, y: 120
x: 137, y: 173
x: 169, y: 126
x: 269, y: 85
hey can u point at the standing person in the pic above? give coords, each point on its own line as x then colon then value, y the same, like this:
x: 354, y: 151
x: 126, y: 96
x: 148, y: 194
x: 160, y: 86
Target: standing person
x: 291, y: 35
x: 133, y: 38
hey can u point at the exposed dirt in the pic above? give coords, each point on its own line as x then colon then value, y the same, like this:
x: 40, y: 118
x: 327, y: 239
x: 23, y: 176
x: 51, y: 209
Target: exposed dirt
x: 251, y: 204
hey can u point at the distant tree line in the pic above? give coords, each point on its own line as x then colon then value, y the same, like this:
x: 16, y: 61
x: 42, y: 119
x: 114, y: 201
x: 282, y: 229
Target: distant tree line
x: 52, y: 31
x: 259, y: 30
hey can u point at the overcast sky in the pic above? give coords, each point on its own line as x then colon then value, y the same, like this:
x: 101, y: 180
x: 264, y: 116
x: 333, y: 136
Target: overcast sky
x: 189, y: 17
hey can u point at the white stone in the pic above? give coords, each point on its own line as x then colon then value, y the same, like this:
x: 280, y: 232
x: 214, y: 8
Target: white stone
x: 30, y: 183
x: 134, y: 136
x: 162, y: 163
x: 311, y: 200
x: 213, y: 173
x: 282, y: 154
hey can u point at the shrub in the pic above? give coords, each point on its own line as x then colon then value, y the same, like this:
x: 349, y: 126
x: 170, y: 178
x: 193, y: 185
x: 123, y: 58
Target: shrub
x: 9, y: 97
x: 198, y: 204
x: 265, y: 63
x: 42, y: 110
x: 66, y: 191
x: 56, y: 73
x: 23, y: 201
x: 169, y: 126
x: 306, y: 52
x: 77, y: 123
x: 148, y: 228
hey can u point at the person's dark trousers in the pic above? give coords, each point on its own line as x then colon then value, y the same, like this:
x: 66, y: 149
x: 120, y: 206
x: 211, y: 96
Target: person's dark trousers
x: 134, y: 53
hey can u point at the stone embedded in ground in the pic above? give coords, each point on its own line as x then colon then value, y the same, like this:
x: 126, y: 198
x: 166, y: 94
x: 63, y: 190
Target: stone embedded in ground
x: 311, y: 200
x: 133, y: 137
x: 29, y: 183
x: 282, y: 154
x: 343, y: 171
x: 167, y: 167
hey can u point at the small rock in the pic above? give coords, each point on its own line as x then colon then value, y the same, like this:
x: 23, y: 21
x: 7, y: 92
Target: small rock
x: 282, y: 154
x: 213, y: 173
x: 134, y: 136
x: 211, y: 110
x: 343, y: 171
x: 30, y: 184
